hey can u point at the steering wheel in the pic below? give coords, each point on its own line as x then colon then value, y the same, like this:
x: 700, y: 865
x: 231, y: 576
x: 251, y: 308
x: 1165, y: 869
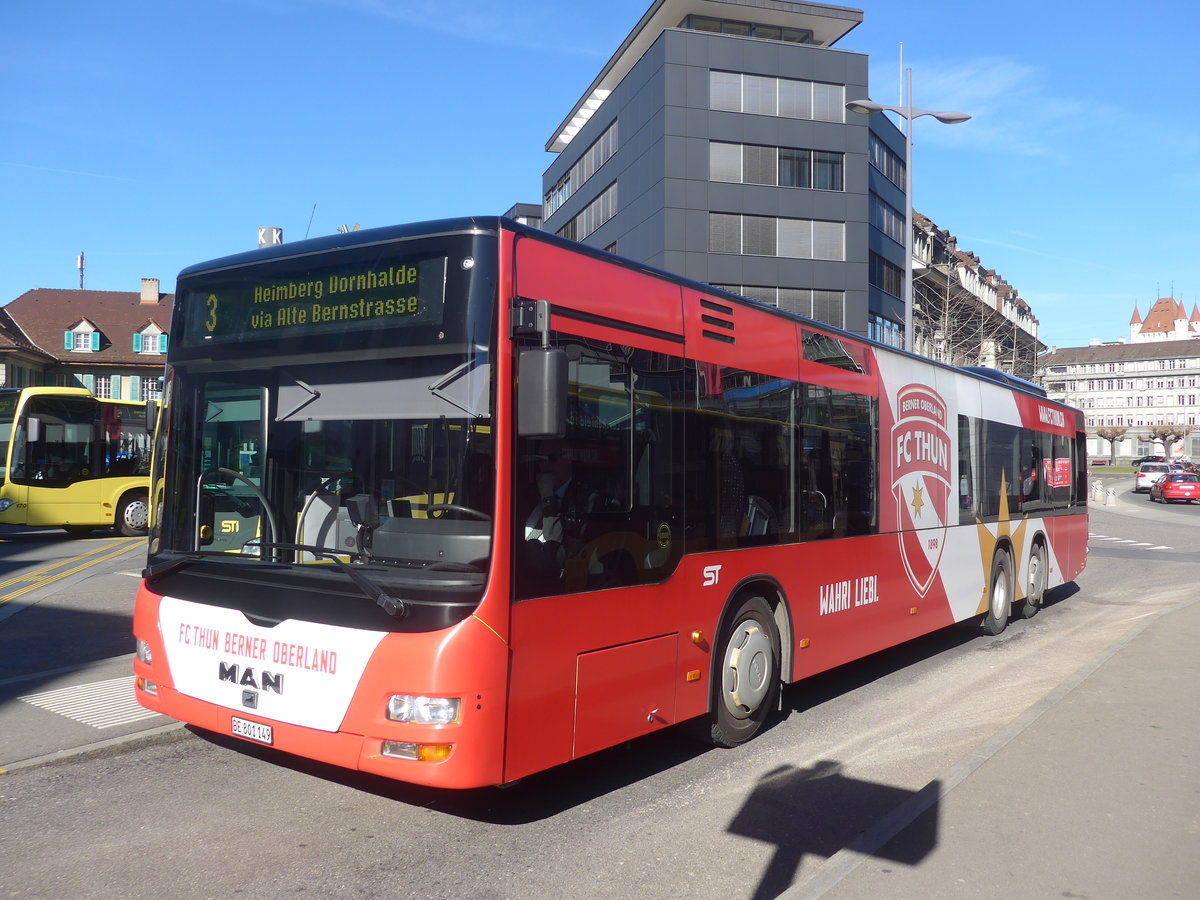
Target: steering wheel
x: 458, y: 508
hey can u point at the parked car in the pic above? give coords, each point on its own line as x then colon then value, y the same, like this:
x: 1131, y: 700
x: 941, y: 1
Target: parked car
x: 1147, y: 474
x: 1176, y: 486
x: 1145, y: 459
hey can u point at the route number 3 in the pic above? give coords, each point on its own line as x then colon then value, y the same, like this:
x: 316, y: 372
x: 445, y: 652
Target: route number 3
x: 211, y: 322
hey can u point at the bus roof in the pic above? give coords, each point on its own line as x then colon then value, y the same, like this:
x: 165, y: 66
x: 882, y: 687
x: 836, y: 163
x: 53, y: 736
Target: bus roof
x: 494, y: 224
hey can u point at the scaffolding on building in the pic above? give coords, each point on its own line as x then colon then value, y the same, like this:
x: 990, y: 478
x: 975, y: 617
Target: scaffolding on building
x: 964, y: 314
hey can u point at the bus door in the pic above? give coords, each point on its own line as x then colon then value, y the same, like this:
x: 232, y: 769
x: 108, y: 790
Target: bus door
x: 597, y: 526
x: 55, y: 458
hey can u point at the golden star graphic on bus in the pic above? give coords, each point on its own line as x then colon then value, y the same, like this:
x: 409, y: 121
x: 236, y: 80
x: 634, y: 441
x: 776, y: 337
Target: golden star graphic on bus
x: 918, y: 502
x: 988, y: 542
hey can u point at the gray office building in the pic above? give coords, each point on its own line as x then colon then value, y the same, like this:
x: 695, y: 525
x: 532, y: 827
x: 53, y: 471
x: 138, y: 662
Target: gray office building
x: 716, y: 144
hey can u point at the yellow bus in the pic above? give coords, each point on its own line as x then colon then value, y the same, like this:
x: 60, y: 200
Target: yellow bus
x: 73, y: 461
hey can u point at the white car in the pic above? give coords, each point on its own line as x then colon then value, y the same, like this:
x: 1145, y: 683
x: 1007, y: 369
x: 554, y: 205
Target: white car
x: 1147, y: 474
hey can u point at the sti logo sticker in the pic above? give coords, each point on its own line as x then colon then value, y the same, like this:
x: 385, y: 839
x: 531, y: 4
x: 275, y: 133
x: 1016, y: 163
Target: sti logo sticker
x: 921, y: 481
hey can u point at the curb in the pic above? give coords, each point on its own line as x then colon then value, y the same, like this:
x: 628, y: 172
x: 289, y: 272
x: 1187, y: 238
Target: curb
x: 164, y: 734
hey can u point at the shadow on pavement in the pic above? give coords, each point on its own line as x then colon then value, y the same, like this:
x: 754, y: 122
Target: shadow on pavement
x: 817, y: 812
x: 47, y: 639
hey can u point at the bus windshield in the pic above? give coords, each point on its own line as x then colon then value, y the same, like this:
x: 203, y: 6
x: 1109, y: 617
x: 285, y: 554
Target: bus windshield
x: 308, y: 462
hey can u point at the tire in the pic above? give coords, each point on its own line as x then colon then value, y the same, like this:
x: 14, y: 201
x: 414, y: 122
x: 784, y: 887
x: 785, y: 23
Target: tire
x: 1035, y: 593
x: 745, y: 674
x: 133, y: 514
x: 1000, y: 593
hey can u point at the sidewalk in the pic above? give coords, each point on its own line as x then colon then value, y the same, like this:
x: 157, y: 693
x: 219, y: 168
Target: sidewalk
x: 1094, y: 792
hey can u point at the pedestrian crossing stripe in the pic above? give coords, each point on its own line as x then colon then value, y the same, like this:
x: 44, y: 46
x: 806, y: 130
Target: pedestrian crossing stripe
x: 100, y: 704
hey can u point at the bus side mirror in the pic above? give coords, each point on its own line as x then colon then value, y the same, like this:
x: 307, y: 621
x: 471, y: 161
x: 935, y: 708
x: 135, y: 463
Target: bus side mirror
x: 542, y: 393
x: 33, y: 429
x: 151, y: 415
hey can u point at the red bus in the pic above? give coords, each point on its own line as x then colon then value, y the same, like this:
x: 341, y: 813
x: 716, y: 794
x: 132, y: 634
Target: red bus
x: 457, y: 502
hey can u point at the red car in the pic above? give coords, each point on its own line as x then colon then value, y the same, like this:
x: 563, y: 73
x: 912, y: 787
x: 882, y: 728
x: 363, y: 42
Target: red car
x: 1176, y: 486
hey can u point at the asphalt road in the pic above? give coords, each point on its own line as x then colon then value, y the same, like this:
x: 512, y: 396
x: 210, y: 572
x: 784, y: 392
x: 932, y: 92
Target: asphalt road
x: 814, y: 806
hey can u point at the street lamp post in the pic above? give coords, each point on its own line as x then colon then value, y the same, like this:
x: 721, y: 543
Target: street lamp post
x: 907, y: 112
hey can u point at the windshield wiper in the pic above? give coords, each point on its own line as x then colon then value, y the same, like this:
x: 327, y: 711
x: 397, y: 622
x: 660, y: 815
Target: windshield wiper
x: 438, y: 388
x: 393, y: 606
x: 153, y: 573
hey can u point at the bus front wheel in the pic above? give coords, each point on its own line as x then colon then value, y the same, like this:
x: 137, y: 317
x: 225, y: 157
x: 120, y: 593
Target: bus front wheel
x: 746, y: 682
x: 133, y: 514
x: 1000, y: 594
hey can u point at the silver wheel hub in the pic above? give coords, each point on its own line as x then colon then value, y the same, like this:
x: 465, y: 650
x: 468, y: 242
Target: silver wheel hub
x: 1000, y: 598
x: 748, y: 669
x: 136, y: 514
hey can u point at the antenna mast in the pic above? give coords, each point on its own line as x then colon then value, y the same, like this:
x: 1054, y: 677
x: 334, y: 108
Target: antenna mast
x: 79, y: 264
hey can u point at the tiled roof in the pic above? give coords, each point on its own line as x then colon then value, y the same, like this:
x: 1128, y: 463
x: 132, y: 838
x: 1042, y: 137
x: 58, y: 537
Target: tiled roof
x: 13, y: 338
x: 1162, y: 315
x: 43, y: 314
x: 1182, y: 349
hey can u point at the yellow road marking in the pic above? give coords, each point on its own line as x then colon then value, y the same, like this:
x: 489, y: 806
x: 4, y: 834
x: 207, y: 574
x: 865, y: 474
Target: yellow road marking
x: 51, y: 573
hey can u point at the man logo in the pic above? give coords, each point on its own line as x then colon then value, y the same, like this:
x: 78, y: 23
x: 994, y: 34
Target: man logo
x: 250, y: 699
x: 251, y: 678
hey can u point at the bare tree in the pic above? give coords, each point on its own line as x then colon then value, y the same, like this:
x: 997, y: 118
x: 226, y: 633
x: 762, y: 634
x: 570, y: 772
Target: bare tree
x: 1167, y: 435
x: 1112, y: 434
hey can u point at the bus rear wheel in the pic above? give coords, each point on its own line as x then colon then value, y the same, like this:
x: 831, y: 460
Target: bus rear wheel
x: 1036, y: 590
x: 133, y: 514
x: 746, y: 682
x: 1000, y: 594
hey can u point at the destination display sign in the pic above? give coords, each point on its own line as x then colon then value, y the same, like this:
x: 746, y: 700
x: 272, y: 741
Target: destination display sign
x: 273, y: 304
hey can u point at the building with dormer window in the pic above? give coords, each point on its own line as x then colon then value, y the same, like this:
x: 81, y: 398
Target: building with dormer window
x: 113, y: 343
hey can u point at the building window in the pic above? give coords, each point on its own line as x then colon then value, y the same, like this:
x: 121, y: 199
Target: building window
x: 102, y: 387
x: 725, y: 91
x: 887, y: 219
x: 770, y: 236
x: 785, y: 97
x: 782, y: 166
x: 151, y: 389
x: 885, y: 330
x: 748, y: 29
x: 592, y: 216
x: 587, y: 165
x: 83, y: 338
x: 150, y: 341
x: 886, y: 276
x: 887, y: 162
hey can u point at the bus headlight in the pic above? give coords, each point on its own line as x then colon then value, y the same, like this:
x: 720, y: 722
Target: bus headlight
x: 423, y: 710
x: 5, y: 504
x: 143, y: 652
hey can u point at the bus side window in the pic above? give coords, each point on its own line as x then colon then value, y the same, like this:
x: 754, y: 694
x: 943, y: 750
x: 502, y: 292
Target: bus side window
x: 596, y: 508
x: 968, y: 499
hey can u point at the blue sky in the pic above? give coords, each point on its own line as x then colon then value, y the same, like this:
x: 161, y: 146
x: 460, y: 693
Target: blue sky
x: 153, y: 135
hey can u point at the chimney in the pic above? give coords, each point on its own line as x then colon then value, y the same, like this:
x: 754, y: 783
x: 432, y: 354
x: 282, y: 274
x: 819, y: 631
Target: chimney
x: 150, y: 293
